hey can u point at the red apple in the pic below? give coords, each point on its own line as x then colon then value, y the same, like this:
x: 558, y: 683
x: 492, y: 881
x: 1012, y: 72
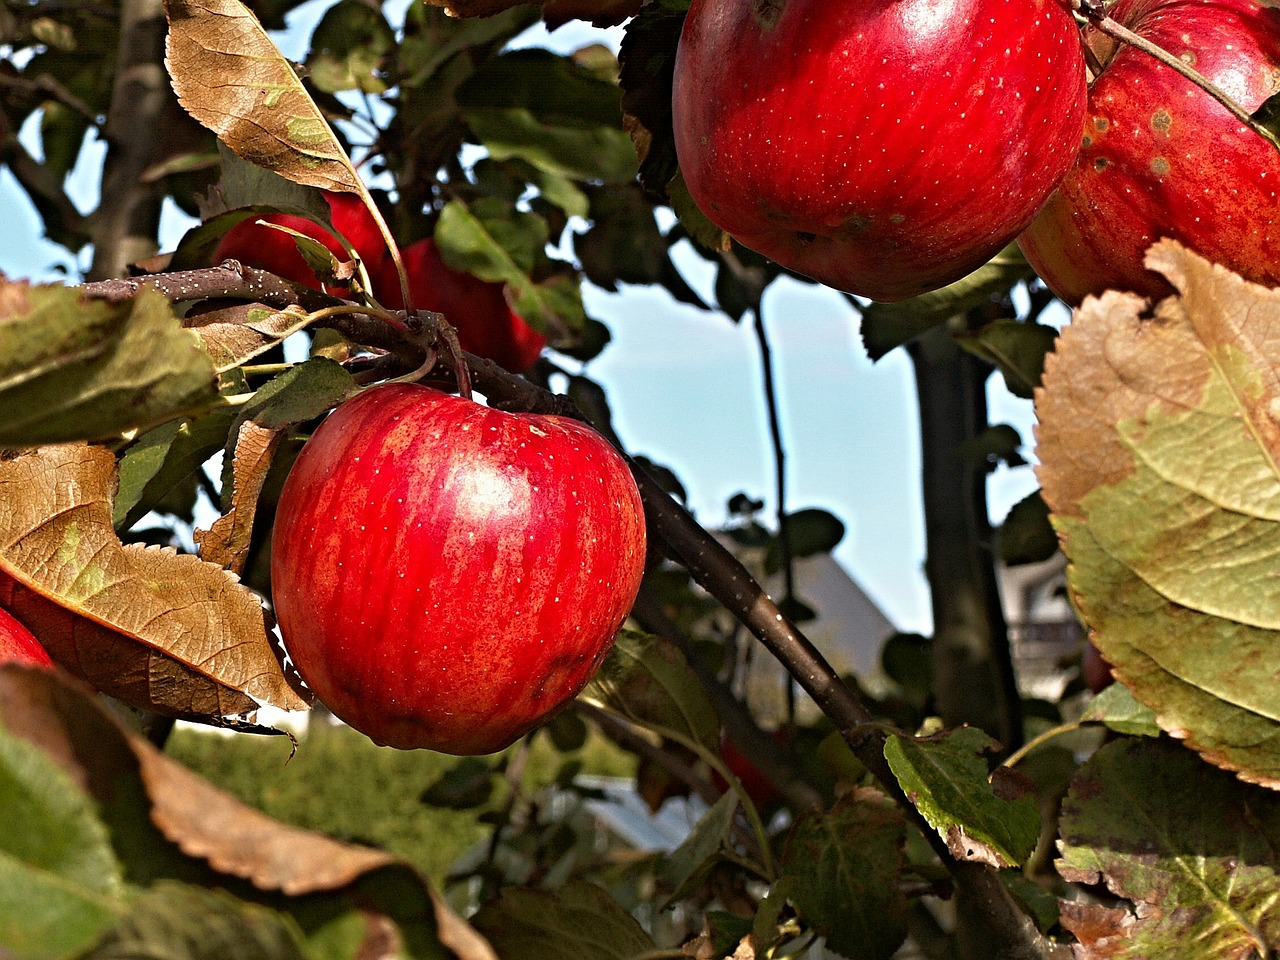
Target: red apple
x: 885, y: 149
x: 758, y: 787
x: 1161, y: 158
x: 447, y: 575
x: 18, y: 645
x: 486, y: 324
x: 276, y: 252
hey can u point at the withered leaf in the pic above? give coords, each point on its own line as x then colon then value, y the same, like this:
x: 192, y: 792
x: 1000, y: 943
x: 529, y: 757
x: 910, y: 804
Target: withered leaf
x: 229, y: 75
x: 159, y: 630
x: 301, y: 393
x: 235, y: 335
x: 226, y: 542
x: 1159, y: 441
x: 602, y: 13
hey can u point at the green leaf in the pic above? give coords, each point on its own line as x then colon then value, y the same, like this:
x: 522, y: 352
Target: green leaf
x: 553, y: 113
x: 992, y: 820
x: 1027, y: 536
x: 841, y: 870
x: 580, y: 920
x: 162, y: 458
x: 1171, y: 522
x: 72, y: 369
x: 1016, y: 348
x: 889, y: 325
x: 683, y: 869
x: 811, y: 531
x: 180, y: 922
x: 348, y: 47
x: 725, y: 931
x: 303, y: 392
x: 697, y: 224
x: 998, y: 443
x: 623, y: 243
x: 647, y: 57
x: 60, y: 883
x: 648, y: 680
x: 503, y: 245
x: 1119, y: 711
x: 467, y: 784
x: 1192, y: 850
x: 907, y: 659
x: 432, y: 39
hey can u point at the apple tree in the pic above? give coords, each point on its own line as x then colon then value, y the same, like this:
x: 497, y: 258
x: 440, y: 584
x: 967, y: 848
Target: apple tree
x: 412, y: 212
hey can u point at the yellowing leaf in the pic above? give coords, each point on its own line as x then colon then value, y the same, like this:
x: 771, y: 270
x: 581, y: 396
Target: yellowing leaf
x: 230, y: 76
x: 159, y: 630
x: 1190, y: 852
x: 1159, y: 438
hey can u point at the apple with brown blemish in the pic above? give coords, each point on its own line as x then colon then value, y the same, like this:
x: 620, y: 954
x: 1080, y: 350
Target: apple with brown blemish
x: 447, y: 575
x: 885, y: 149
x: 1162, y: 158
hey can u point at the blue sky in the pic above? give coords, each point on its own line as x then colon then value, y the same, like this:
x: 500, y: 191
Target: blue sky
x: 685, y: 387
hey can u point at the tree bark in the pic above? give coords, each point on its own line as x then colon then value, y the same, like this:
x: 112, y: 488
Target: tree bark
x: 973, y: 676
x: 125, y: 224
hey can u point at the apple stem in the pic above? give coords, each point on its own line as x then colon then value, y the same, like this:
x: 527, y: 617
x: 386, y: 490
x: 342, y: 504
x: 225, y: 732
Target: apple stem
x: 1089, y: 13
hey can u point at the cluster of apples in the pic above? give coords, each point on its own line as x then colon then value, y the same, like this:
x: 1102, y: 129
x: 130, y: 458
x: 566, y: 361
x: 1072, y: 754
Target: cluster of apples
x: 888, y: 149
x: 478, y: 310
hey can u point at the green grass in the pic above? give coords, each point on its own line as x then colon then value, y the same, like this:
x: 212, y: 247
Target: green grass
x: 342, y: 784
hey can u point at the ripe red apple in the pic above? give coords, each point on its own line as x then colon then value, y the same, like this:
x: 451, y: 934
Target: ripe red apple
x: 18, y: 645
x: 259, y: 246
x: 486, y: 324
x: 1161, y: 158
x: 885, y: 149
x: 447, y: 575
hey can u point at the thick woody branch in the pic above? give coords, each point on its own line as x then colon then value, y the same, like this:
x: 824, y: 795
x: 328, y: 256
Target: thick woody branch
x: 124, y: 225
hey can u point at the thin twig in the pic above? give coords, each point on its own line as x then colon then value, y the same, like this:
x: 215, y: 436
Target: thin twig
x: 50, y: 89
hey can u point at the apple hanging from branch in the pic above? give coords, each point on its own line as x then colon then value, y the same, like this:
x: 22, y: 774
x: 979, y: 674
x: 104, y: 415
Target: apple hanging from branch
x: 1163, y: 158
x: 477, y: 309
x: 885, y: 149
x: 447, y: 575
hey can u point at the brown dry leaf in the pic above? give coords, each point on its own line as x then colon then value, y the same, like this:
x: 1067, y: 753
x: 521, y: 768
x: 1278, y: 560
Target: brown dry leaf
x: 159, y: 630
x: 226, y: 542
x: 229, y: 75
x: 102, y: 755
x: 601, y: 13
x: 235, y: 335
x: 1159, y: 448
x: 1102, y: 931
